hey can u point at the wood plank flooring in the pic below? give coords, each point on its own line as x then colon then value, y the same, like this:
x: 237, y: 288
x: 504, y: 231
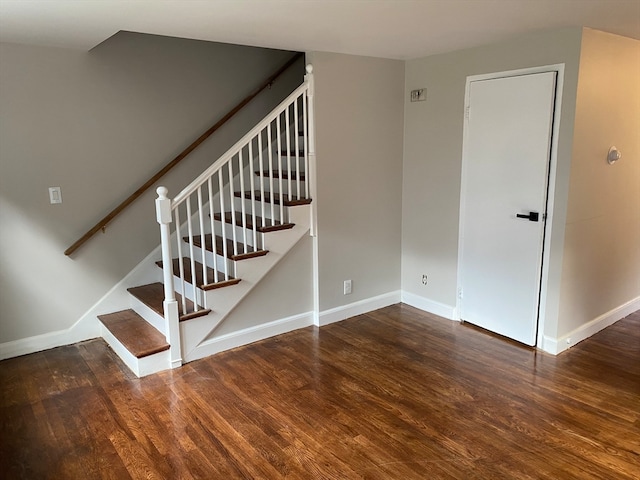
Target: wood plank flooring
x: 394, y: 394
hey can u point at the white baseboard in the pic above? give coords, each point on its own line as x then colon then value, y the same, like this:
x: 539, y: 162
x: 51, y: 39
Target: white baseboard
x: 358, y: 308
x: 555, y: 346
x: 249, y: 335
x: 431, y: 306
x: 78, y: 332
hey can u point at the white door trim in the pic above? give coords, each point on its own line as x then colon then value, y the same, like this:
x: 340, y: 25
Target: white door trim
x: 553, y: 162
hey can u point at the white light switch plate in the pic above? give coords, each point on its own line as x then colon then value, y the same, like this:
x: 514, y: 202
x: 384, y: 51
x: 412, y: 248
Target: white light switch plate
x: 55, y: 195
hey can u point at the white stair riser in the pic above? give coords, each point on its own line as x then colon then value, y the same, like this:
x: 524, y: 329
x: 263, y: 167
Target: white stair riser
x: 229, y: 229
x: 148, y: 314
x: 268, y: 211
x: 210, y: 257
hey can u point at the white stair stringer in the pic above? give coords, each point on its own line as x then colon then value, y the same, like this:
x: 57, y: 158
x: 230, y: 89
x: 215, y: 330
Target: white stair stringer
x: 195, y: 332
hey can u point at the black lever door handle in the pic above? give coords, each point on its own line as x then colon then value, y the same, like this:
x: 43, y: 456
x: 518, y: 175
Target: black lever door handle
x: 532, y: 216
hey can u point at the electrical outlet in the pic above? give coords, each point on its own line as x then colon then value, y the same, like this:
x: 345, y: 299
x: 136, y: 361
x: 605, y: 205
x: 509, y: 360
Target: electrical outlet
x: 347, y: 287
x: 424, y: 279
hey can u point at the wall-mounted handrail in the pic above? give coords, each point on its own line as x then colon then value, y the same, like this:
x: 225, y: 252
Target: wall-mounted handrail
x: 158, y: 175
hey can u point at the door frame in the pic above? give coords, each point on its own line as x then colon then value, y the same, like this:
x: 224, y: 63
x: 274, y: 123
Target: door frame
x: 553, y: 162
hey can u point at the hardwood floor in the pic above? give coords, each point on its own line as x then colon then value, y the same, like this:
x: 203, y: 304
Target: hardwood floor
x: 394, y: 394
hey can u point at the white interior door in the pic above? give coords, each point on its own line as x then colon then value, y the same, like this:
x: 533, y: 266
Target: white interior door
x: 504, y: 195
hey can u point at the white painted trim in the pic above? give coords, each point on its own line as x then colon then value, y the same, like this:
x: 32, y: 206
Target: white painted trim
x: 553, y: 164
x: 316, y: 280
x: 555, y: 346
x: 151, y: 316
x: 250, y: 335
x: 343, y: 312
x: 140, y: 366
x: 24, y: 346
x: 431, y: 306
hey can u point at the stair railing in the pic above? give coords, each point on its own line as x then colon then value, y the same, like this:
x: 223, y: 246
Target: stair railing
x: 102, y: 224
x: 225, y: 212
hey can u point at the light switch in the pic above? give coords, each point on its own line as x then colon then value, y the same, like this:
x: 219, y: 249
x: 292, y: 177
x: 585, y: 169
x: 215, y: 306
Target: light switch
x: 55, y: 195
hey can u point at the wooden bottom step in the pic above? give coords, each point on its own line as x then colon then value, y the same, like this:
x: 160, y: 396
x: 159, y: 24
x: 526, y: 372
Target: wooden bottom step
x: 135, y: 333
x: 152, y: 296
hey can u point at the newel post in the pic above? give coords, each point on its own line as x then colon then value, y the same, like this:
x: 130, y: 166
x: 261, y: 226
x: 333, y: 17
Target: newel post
x: 313, y: 192
x: 171, y: 317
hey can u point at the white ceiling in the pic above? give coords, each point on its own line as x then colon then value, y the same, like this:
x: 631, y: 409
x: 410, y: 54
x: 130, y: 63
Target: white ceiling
x: 401, y: 29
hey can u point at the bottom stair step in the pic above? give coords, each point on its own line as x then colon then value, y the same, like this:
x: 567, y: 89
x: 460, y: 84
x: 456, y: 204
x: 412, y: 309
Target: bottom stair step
x: 152, y: 295
x: 135, y: 333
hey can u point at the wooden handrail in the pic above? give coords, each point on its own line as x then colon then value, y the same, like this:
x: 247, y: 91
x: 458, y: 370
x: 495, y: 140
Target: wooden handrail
x: 129, y: 200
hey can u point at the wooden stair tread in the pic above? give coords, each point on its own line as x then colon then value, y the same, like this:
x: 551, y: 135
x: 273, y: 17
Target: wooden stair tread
x: 205, y: 284
x: 152, y: 295
x: 135, y: 333
x: 267, y: 198
x: 292, y: 153
x: 249, y: 222
x: 283, y: 175
x: 244, y: 251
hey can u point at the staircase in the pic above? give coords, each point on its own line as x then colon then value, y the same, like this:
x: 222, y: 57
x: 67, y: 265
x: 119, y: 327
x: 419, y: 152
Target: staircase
x: 219, y: 237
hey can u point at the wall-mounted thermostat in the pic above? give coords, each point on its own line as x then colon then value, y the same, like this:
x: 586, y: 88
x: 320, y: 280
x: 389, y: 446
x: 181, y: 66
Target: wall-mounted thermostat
x: 419, y: 95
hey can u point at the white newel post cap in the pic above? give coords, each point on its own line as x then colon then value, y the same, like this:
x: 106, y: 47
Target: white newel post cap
x: 162, y: 192
x: 309, y: 68
x: 163, y: 206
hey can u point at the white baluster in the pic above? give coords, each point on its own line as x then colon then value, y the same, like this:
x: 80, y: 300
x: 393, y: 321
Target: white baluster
x: 202, y: 242
x: 233, y: 209
x: 272, y: 194
x: 243, y: 209
x: 296, y: 132
x: 180, y: 259
x: 287, y: 131
x: 191, y: 251
x: 280, y: 171
x: 224, y: 228
x: 253, y: 196
x: 213, y: 227
x: 261, y: 177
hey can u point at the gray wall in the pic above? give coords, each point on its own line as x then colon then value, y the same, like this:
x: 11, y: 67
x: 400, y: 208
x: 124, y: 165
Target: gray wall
x: 99, y: 124
x: 601, y: 267
x: 285, y: 291
x: 359, y: 123
x: 433, y: 155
